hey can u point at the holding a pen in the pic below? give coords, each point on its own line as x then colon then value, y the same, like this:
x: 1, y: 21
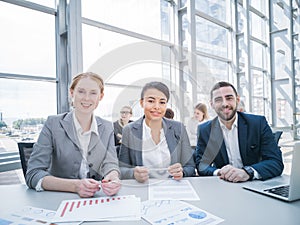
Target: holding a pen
x: 154, y: 146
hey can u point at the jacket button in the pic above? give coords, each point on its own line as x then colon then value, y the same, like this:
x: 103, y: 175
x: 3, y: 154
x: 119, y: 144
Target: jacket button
x: 91, y: 164
x: 93, y: 176
x: 89, y: 153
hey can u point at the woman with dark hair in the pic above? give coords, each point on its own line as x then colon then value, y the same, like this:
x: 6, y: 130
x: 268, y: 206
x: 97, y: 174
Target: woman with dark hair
x: 154, y: 146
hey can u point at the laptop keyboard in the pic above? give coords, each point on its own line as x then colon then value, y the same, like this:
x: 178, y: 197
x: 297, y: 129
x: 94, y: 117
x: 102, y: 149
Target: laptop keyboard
x: 282, y: 190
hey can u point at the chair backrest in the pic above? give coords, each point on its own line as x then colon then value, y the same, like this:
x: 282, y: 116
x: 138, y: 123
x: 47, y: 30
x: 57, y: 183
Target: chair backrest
x: 25, y: 149
x: 277, y: 135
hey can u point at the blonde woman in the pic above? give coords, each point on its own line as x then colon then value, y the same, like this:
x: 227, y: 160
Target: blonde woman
x: 200, y: 116
x: 75, y: 150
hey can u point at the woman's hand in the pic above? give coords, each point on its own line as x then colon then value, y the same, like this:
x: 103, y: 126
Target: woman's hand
x: 141, y: 174
x: 111, y: 183
x: 176, y: 171
x: 86, y: 188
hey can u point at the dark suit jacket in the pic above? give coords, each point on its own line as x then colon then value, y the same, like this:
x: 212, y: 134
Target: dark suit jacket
x: 256, y: 142
x: 177, y: 140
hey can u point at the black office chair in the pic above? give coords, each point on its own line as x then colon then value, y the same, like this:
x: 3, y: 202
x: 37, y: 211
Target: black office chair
x: 25, y: 149
x: 277, y: 135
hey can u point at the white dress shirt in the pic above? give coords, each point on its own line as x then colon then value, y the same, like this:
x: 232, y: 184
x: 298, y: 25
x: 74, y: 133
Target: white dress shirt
x: 155, y: 155
x: 231, y: 139
x: 84, y: 140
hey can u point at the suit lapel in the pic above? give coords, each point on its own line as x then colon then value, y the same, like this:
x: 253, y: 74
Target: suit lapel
x: 172, y: 143
x: 218, y: 140
x: 67, y: 124
x: 242, y: 135
x: 137, y: 135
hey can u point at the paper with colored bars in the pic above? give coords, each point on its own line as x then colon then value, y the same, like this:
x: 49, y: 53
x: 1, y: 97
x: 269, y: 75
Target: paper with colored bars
x: 99, y: 209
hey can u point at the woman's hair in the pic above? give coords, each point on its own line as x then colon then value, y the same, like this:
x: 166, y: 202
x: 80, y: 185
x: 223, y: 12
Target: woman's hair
x: 169, y: 113
x: 158, y: 86
x: 91, y: 75
x: 202, y: 107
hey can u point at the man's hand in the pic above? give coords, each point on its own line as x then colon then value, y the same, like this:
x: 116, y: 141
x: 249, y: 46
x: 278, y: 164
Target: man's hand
x: 232, y: 174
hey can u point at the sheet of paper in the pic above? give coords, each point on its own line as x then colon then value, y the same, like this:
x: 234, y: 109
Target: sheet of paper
x: 165, y: 212
x: 99, y: 209
x: 31, y: 216
x: 172, y: 190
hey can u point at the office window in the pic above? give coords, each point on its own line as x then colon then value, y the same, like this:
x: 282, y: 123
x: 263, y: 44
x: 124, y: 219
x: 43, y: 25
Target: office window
x: 257, y: 27
x: 27, y: 41
x: 242, y: 53
x: 280, y: 18
x: 211, y: 69
x: 211, y: 38
x: 257, y: 54
x: 216, y: 9
x: 22, y: 99
x: 282, y: 55
x: 142, y: 17
x: 259, y: 5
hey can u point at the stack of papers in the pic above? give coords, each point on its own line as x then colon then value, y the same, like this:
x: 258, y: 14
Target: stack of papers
x: 117, y: 208
x: 30, y: 216
x: 165, y: 212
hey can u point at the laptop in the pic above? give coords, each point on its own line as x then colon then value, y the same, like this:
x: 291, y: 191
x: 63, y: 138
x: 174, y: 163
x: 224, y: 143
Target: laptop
x: 284, y: 188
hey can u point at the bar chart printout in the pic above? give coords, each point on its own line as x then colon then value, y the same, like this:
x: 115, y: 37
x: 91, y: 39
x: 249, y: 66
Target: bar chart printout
x: 99, y: 209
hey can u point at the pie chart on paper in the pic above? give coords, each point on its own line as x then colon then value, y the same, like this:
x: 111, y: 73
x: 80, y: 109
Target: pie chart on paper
x: 197, y: 215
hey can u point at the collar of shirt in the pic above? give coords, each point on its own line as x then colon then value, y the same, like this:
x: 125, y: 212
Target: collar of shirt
x: 147, y: 132
x: 235, y: 123
x: 78, y: 128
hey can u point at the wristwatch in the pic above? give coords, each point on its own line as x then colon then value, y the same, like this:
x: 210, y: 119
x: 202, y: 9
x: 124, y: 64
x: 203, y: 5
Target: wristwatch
x: 249, y: 171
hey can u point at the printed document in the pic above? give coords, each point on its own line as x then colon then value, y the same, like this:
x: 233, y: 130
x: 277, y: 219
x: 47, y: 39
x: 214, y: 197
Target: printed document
x: 117, y: 208
x: 172, y: 190
x: 165, y: 212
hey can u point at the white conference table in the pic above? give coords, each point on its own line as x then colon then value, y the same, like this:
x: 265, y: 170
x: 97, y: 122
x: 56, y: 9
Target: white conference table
x: 223, y: 199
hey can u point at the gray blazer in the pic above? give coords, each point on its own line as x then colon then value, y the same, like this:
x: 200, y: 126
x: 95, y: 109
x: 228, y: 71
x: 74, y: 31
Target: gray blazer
x: 57, y: 151
x: 177, y: 140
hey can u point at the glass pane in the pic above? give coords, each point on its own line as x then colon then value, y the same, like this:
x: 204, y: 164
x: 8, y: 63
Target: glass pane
x: 284, y: 110
x: 21, y: 100
x: 257, y: 27
x: 145, y: 17
x: 126, y: 64
x: 282, y: 56
x: 242, y: 56
x: 122, y: 59
x: 217, y: 9
x: 280, y: 17
x: 210, y: 71
x: 259, y: 5
x: 211, y: 38
x: 256, y: 54
x: 28, y: 46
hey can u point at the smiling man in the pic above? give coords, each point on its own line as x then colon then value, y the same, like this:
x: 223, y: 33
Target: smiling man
x: 236, y: 146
